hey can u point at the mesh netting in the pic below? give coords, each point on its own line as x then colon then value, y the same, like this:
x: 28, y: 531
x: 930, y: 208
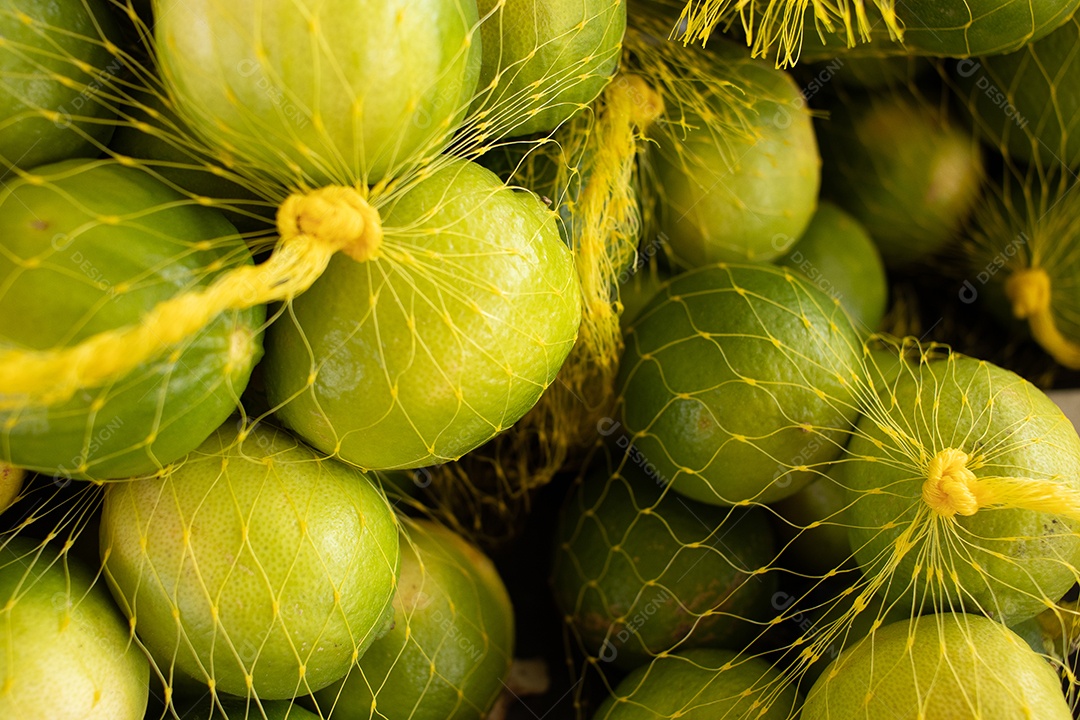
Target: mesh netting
x: 302, y: 304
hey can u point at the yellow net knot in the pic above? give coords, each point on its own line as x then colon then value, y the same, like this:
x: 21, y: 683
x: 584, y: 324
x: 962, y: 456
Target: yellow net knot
x: 336, y: 215
x: 642, y: 103
x: 1029, y: 292
x: 951, y: 488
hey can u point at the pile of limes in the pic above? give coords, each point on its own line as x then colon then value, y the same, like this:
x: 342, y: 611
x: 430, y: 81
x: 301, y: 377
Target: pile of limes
x: 747, y: 349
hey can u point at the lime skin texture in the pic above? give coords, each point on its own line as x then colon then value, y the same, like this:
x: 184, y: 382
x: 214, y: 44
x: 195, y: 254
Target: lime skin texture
x: 738, y: 383
x: 55, y: 66
x: 449, y: 337
x: 317, y: 93
x: 1009, y: 563
x: 951, y: 665
x: 450, y: 650
x: 702, y: 684
x: 92, y: 246
x: 257, y: 565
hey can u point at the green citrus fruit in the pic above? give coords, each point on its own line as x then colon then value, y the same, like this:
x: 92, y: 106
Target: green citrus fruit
x: 951, y: 666
x: 904, y: 170
x: 701, y: 685
x: 639, y: 572
x: 68, y: 653
x: 250, y: 710
x: 544, y: 60
x: 256, y: 564
x: 1030, y: 99
x: 737, y: 381
x: 420, y: 355
x: 339, y: 91
x: 978, y: 27
x: 732, y: 198
x: 11, y: 484
x: 91, y: 246
x: 453, y: 638
x: 920, y: 472
x: 55, y: 66
x: 836, y: 254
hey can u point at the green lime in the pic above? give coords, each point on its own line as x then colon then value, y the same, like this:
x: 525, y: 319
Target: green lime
x: 544, y: 60
x: 426, y: 352
x: 836, y: 254
x: 738, y: 197
x: 930, y: 473
x: 978, y: 27
x: 453, y: 638
x: 68, y: 653
x: 11, y: 484
x: 904, y: 170
x: 737, y: 382
x: 639, y: 571
x: 55, y: 71
x: 256, y: 565
x: 702, y: 685
x: 92, y: 246
x: 951, y: 666
x: 337, y: 92
x: 1029, y: 100
x: 249, y: 710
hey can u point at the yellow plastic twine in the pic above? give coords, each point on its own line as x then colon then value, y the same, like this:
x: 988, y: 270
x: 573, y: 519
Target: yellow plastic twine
x: 781, y: 22
x: 313, y: 227
x: 951, y: 488
x: 1029, y: 292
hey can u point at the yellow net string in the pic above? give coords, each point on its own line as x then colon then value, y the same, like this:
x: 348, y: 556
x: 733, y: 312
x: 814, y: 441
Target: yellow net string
x: 1029, y: 292
x: 313, y: 227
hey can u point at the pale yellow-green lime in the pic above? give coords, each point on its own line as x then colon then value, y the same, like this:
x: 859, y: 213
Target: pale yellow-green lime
x: 452, y: 643
x: 947, y: 667
x: 702, y: 685
x: 255, y: 565
x: 67, y: 651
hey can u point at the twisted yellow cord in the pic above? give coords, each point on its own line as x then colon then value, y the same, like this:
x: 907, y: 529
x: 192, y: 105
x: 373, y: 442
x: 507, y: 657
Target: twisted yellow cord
x: 1029, y: 292
x: 313, y: 226
x: 951, y: 489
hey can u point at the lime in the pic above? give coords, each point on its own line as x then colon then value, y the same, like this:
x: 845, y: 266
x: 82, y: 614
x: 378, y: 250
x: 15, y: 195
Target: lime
x: 544, y: 60
x: 745, y: 196
x: 68, y: 654
x: 453, y: 638
x: 978, y: 27
x: 424, y: 353
x: 11, y: 484
x: 255, y: 566
x: 952, y: 666
x: 250, y: 710
x: 1029, y: 100
x: 339, y: 91
x: 904, y: 170
x: 91, y: 246
x: 836, y: 254
x: 930, y: 474
x: 737, y: 382
x: 639, y: 571
x: 701, y: 685
x: 55, y: 67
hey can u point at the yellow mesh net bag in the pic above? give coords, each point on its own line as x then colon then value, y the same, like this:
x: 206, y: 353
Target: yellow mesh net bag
x: 288, y: 331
